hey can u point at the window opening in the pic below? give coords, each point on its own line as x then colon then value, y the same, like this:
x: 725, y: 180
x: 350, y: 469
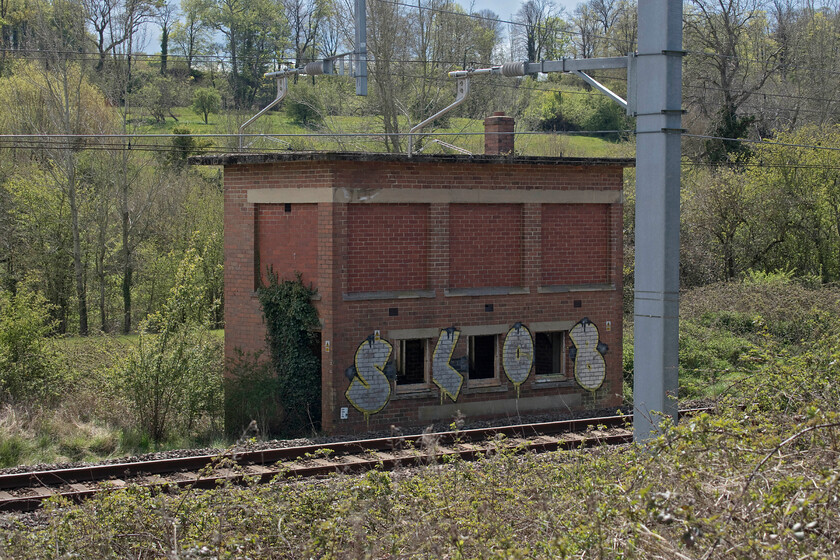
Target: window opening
x: 411, y: 369
x: 549, y: 353
x: 483, y: 357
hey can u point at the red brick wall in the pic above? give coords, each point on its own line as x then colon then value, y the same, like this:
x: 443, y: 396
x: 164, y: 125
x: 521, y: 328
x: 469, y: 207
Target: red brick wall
x: 288, y: 241
x: 457, y: 246
x: 387, y: 247
x: 364, y: 317
x: 575, y: 244
x: 243, y: 316
x: 485, y: 245
x: 243, y: 321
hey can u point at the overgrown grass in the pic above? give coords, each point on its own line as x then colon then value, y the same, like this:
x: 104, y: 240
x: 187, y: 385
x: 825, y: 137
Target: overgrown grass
x: 757, y: 480
x: 93, y: 419
x: 462, y: 132
x: 725, y: 327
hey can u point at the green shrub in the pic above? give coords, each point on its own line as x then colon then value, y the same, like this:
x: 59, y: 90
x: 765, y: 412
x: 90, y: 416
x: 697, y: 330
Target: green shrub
x: 706, y: 355
x: 776, y: 278
x: 184, y: 145
x: 304, y: 107
x: 627, y: 356
x: 205, y: 101
x: 29, y: 369
x: 252, y: 393
x: 733, y: 321
x: 12, y: 448
x: 173, y: 377
x: 576, y: 110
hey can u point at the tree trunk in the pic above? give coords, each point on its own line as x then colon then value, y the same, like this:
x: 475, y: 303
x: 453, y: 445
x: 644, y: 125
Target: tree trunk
x: 78, y: 268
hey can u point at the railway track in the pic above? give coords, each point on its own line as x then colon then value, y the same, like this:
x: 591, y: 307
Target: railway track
x: 27, y: 491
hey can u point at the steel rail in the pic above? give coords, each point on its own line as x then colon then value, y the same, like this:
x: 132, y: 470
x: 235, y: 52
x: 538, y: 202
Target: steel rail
x: 309, y: 460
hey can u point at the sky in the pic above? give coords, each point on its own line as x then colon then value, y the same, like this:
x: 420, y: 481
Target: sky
x: 506, y: 8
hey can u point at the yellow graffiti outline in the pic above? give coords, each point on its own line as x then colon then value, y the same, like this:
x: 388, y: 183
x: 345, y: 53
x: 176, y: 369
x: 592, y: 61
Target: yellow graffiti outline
x: 604, y: 378
x: 457, y: 334
x: 504, y: 367
x: 364, y: 383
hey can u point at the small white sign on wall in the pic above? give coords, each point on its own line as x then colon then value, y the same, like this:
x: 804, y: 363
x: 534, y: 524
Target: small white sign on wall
x: 344, y: 413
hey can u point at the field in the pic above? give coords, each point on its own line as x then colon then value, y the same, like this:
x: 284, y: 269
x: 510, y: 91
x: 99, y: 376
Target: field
x: 462, y: 132
x: 93, y: 419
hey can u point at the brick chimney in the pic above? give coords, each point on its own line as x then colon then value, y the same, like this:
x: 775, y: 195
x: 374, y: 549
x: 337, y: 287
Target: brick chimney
x: 498, y: 134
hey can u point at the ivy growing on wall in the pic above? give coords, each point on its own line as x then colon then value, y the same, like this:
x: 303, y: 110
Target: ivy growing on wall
x: 293, y: 343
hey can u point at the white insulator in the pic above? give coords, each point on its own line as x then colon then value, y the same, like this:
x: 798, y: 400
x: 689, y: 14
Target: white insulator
x: 314, y: 68
x: 511, y: 69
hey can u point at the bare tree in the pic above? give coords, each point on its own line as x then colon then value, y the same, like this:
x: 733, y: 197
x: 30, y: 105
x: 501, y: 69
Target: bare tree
x: 587, y: 34
x: 306, y: 19
x: 539, y: 24
x: 387, y: 41
x: 735, y: 58
x: 114, y: 21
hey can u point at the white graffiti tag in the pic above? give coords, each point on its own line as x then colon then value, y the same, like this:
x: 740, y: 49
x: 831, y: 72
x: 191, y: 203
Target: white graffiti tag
x: 588, y: 355
x: 518, y: 354
x: 370, y: 389
x: 446, y: 377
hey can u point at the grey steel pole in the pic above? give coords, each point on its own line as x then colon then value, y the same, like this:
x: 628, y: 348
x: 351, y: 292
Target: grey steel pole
x: 658, y: 128
x: 360, y: 13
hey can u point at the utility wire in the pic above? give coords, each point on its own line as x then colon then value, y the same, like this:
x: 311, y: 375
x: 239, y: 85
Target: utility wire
x: 786, y: 66
x: 762, y: 142
x: 38, y: 137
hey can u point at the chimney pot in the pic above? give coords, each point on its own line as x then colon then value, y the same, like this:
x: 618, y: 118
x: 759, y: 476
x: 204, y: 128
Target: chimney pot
x: 498, y: 134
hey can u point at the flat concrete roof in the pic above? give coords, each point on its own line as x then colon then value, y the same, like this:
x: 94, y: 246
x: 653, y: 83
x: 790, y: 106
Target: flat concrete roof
x: 282, y: 157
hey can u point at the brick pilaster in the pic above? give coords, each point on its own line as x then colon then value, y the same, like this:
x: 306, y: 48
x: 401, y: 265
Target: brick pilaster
x: 531, y: 244
x: 438, y: 263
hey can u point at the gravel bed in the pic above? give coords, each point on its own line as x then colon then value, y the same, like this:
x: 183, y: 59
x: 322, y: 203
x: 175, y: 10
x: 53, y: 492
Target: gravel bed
x: 325, y: 440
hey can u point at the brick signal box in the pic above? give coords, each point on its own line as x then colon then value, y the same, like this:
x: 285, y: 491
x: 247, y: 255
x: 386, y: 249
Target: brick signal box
x: 482, y: 285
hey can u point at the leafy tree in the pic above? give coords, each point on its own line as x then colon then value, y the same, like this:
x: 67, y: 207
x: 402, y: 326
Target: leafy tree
x: 28, y: 369
x: 159, y: 95
x: 253, y: 30
x: 798, y: 204
x: 173, y: 378
x: 166, y: 14
x: 191, y: 37
x: 55, y: 97
x: 205, y: 101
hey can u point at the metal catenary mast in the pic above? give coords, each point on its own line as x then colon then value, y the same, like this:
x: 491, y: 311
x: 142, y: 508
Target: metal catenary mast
x: 654, y: 97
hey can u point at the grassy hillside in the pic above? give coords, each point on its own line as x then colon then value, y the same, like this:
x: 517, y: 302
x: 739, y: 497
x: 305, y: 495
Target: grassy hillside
x: 461, y: 132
